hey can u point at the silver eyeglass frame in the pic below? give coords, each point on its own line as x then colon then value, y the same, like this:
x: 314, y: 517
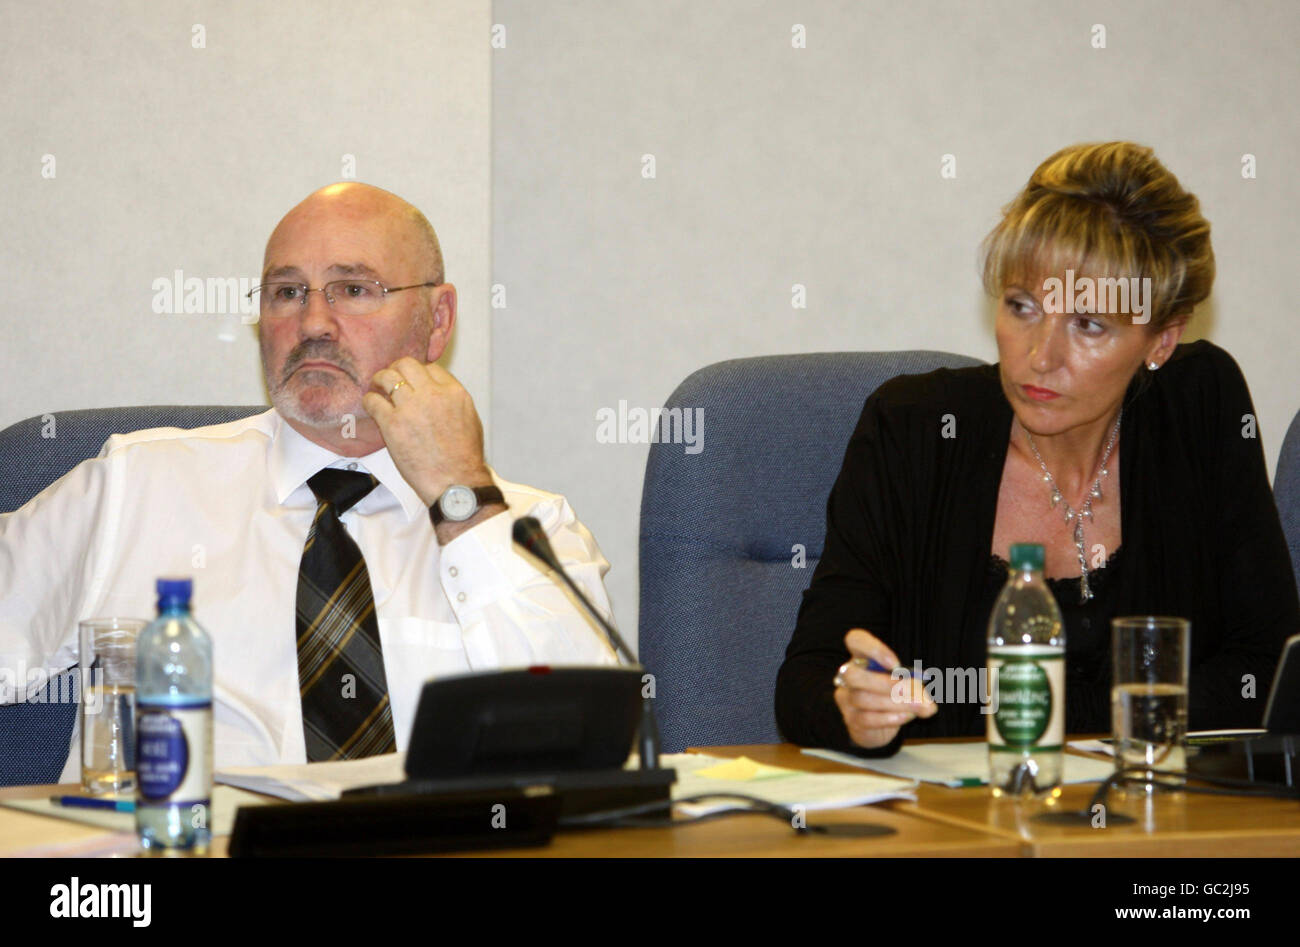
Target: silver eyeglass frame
x: 329, y: 297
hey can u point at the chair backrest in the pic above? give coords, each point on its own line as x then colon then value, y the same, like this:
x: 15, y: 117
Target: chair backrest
x: 1286, y: 491
x: 36, y: 452
x: 33, y: 454
x: 730, y: 534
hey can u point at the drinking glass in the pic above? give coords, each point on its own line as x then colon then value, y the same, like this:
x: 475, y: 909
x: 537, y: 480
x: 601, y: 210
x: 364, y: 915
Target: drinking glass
x: 1148, y: 696
x: 108, y: 704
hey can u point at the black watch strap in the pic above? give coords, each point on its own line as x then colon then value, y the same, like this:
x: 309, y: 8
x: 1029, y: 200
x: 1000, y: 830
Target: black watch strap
x: 484, y: 495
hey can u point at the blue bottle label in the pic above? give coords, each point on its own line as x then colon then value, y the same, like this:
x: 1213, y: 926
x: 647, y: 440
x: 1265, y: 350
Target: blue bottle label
x: 174, y: 753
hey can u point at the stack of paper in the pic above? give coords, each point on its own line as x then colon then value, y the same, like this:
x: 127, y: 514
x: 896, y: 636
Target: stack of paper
x: 225, y: 802
x: 958, y: 764
x: 316, y: 782
x: 696, y: 775
x: 1194, y: 738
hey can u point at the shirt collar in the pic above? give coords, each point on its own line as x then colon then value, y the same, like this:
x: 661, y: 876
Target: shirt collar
x: 294, y: 459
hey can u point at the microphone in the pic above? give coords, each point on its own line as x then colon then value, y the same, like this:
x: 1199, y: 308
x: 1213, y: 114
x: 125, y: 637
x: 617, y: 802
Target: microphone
x: 528, y: 533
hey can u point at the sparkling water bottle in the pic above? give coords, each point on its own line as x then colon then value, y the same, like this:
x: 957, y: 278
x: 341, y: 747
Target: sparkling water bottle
x: 173, y: 726
x: 1026, y: 681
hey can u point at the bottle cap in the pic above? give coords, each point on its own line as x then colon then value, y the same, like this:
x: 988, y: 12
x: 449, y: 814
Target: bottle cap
x: 174, y: 592
x: 1027, y: 556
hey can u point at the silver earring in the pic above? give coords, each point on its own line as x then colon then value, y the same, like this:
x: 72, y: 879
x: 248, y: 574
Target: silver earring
x: 1152, y: 366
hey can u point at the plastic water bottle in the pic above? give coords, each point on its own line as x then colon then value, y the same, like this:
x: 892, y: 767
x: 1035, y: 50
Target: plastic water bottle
x: 1026, y: 680
x: 173, y: 727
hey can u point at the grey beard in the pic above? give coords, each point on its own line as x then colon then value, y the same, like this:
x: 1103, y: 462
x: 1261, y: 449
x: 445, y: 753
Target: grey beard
x: 289, y: 406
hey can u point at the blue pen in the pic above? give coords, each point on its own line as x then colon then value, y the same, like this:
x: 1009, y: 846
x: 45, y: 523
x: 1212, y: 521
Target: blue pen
x: 87, y: 802
x: 874, y: 665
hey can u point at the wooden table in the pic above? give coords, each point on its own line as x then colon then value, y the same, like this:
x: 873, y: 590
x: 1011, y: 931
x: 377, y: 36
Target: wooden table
x: 942, y: 822
x: 735, y: 836
x: 1165, y: 825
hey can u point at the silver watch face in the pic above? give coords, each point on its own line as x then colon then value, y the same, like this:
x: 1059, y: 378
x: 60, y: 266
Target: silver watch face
x: 458, y: 503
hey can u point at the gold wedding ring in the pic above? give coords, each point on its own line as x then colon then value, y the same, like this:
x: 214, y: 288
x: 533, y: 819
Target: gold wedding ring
x: 393, y: 390
x: 839, y: 675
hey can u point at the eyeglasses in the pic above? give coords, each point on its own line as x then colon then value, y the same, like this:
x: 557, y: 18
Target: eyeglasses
x: 350, y: 297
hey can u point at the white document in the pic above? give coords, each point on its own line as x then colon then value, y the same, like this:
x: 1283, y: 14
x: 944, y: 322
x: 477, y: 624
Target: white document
x: 786, y: 787
x: 1093, y: 746
x: 1196, y: 736
x: 316, y: 782
x: 324, y: 781
x: 958, y: 764
x: 225, y: 802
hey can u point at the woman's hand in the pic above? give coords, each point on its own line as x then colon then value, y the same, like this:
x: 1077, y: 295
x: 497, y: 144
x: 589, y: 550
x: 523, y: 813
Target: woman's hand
x: 873, y: 704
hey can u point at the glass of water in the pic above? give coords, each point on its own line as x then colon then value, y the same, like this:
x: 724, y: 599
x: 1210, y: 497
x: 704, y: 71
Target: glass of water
x: 108, y: 704
x: 1148, y: 697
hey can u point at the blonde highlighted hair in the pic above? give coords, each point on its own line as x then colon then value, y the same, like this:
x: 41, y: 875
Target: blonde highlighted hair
x: 1106, y: 210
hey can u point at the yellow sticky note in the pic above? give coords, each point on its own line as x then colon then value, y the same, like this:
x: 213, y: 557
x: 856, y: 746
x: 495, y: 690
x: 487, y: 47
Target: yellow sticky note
x: 742, y: 769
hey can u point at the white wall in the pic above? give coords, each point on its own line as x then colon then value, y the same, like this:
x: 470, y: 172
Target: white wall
x: 774, y: 166
x: 170, y: 157
x: 821, y: 166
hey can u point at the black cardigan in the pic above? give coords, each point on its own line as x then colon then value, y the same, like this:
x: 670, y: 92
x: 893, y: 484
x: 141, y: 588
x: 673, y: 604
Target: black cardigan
x: 909, y: 531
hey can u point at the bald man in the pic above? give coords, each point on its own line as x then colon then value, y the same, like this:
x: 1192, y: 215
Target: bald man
x: 356, y: 384
x: 345, y: 546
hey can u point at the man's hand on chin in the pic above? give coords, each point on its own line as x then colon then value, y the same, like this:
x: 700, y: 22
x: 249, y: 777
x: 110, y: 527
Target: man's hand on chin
x: 433, y: 433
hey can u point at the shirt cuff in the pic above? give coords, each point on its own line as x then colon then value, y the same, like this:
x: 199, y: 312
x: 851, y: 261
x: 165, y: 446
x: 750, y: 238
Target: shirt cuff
x: 482, y: 565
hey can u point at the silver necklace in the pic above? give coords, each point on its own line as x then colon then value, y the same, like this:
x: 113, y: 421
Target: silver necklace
x: 1085, y: 592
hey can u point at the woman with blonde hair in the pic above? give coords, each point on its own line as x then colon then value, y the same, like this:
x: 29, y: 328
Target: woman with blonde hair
x: 1130, y: 457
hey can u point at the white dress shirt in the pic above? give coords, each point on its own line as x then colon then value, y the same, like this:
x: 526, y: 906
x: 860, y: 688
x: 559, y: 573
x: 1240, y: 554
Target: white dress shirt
x: 229, y: 506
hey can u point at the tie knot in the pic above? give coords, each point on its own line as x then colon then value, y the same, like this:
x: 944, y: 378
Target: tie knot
x: 341, y: 488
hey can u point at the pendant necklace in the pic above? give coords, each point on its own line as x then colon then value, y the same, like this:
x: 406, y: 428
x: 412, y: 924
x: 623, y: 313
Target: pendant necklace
x: 1085, y: 593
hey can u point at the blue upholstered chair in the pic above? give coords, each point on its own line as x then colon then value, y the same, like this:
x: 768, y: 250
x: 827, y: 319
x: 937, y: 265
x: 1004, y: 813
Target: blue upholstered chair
x: 722, y: 530
x: 34, y: 736
x: 1286, y: 490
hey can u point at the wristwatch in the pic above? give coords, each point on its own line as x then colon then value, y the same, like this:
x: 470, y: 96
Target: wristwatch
x: 458, y: 503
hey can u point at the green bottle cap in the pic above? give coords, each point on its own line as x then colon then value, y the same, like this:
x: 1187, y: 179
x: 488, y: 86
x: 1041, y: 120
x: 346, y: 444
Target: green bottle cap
x: 1027, y: 556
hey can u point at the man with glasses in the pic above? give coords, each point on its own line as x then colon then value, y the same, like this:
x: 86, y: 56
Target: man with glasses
x: 345, y: 546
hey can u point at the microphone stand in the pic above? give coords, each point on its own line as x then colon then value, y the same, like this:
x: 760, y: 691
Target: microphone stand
x: 528, y: 533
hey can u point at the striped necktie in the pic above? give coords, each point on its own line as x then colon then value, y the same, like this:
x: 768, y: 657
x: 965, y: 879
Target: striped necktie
x: 345, y: 709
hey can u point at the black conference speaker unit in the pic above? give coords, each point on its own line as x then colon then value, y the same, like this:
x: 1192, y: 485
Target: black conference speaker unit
x: 568, y: 729
x: 495, y: 760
